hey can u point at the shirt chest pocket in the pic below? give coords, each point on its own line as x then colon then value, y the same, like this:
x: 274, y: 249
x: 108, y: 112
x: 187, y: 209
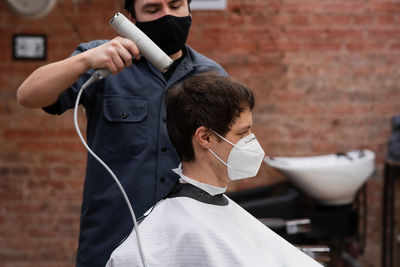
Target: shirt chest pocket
x: 125, y: 130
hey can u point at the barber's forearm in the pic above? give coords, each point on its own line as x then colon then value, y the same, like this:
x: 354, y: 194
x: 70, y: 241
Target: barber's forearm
x: 43, y: 87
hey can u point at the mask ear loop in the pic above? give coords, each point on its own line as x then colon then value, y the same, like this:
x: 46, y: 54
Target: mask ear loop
x: 223, y: 138
x: 215, y: 155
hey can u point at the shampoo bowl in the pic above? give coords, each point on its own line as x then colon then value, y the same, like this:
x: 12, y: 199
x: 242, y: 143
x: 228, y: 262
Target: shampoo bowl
x: 332, y: 179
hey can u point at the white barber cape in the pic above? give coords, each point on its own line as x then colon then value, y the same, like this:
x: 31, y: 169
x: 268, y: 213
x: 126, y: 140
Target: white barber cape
x: 195, y: 226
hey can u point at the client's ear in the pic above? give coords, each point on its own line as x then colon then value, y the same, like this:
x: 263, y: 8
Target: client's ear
x: 202, y: 137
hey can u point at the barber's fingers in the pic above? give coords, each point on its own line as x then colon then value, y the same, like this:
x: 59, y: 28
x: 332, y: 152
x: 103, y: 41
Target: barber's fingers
x: 120, y: 52
x: 118, y: 63
x: 109, y: 55
x: 114, y: 55
x: 123, y: 55
x: 129, y: 46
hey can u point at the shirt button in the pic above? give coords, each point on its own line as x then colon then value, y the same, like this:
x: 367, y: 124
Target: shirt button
x: 164, y: 149
x: 162, y: 179
x: 125, y: 115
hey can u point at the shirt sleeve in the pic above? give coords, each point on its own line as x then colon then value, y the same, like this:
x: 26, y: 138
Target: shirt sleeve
x: 66, y: 100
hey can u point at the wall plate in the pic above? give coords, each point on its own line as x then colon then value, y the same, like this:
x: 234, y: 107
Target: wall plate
x: 208, y: 4
x: 29, y: 46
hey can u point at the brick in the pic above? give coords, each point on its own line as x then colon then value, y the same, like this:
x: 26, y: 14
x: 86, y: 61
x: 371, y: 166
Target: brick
x: 62, y: 171
x: 344, y: 34
x: 350, y: 7
x: 19, y: 171
x: 13, y: 256
x: 25, y: 207
x: 384, y: 34
x: 364, y: 46
x: 299, y: 7
x: 39, y: 146
x: 279, y: 46
x: 330, y: 20
x: 306, y: 34
x: 74, y: 146
x: 299, y: 20
x: 395, y: 46
x: 386, y: 20
x: 322, y: 46
x: 384, y: 6
x: 21, y: 134
x: 55, y: 158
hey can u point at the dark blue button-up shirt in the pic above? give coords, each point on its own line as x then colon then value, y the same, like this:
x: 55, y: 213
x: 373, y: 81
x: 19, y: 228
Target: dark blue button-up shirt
x: 126, y: 128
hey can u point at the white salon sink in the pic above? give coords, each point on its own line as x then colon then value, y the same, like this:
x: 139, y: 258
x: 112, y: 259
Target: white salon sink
x: 332, y: 179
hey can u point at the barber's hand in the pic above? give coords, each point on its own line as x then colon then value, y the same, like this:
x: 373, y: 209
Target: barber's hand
x: 114, y: 55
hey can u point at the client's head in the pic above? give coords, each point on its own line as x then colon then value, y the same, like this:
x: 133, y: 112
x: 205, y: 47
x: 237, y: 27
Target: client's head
x: 206, y: 100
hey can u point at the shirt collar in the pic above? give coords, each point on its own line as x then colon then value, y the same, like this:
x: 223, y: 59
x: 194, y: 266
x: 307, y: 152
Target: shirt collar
x: 211, y: 189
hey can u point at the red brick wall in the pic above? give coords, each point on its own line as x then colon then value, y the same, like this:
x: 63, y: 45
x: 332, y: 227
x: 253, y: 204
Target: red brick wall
x: 326, y: 75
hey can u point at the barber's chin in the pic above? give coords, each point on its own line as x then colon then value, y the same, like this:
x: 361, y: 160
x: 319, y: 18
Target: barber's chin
x: 176, y: 55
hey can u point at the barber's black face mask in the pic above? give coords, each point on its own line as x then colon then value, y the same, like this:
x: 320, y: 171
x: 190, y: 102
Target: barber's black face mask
x: 169, y: 32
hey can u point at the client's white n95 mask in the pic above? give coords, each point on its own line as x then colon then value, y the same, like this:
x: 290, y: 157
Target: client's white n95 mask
x: 245, y: 158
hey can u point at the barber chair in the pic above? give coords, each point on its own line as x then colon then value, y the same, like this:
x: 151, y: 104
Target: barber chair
x: 278, y: 207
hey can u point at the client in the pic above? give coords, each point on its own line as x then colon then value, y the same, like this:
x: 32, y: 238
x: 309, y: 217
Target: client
x: 209, y: 122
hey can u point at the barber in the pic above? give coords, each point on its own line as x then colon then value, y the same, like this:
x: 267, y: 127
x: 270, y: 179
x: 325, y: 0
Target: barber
x: 126, y: 124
